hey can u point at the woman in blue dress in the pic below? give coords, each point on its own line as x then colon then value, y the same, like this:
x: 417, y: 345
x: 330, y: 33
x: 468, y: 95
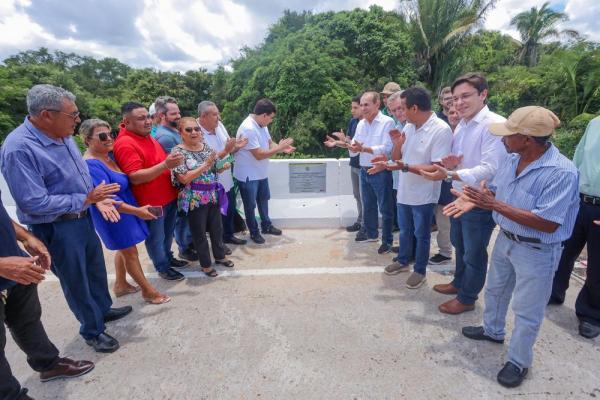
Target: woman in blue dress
x: 124, y: 235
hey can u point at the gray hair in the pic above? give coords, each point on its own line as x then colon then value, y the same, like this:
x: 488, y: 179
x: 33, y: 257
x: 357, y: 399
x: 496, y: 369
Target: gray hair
x: 87, y: 127
x: 46, y: 97
x: 395, y: 96
x: 203, y: 106
x: 160, y: 105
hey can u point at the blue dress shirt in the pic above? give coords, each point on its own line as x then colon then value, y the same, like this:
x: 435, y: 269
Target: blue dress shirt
x: 548, y: 187
x: 47, y: 178
x: 167, y: 137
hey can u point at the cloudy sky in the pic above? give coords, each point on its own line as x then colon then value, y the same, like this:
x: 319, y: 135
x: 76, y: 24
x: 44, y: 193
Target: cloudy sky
x: 188, y: 34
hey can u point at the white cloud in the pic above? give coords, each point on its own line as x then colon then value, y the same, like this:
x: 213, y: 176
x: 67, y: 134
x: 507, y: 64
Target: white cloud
x: 187, y: 34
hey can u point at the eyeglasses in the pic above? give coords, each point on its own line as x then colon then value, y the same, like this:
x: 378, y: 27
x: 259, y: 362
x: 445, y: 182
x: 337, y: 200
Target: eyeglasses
x: 189, y: 129
x: 73, y: 115
x: 464, y: 96
x: 103, y: 136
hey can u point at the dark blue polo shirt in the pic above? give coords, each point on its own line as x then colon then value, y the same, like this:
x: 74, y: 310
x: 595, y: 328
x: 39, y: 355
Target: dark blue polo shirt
x: 8, y: 244
x: 350, y: 133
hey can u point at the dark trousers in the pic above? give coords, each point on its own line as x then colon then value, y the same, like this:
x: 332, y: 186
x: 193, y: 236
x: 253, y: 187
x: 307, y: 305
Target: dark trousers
x: 228, y: 226
x: 470, y: 234
x: 587, y: 305
x: 202, y: 219
x: 78, y: 262
x: 21, y: 314
x: 256, y: 193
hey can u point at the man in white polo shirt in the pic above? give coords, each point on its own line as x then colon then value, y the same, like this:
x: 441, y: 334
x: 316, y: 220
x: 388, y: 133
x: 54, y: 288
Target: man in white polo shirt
x: 252, y: 167
x: 424, y: 141
x: 372, y: 138
x: 216, y: 136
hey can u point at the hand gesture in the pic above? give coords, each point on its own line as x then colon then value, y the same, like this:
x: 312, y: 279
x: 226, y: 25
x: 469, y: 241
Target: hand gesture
x: 108, y: 210
x: 377, y: 167
x: 240, y: 143
x: 211, y: 159
x: 229, y: 145
x: 329, y: 142
x: 144, y: 213
x: 289, y: 150
x: 356, y: 147
x: 341, y: 136
x: 597, y: 222
x: 459, y: 206
x: 452, y: 161
x: 379, y: 158
x: 482, y: 198
x: 285, y: 143
x: 174, y: 159
x: 23, y: 270
x: 437, y: 175
x: 101, y: 192
x: 225, y: 167
x: 398, y: 138
x: 36, y: 248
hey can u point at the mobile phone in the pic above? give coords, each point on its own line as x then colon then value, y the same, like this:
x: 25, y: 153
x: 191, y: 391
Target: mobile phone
x: 156, y: 211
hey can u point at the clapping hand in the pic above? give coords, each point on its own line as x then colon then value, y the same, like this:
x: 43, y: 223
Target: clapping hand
x: 108, y: 209
x: 329, y: 142
x: 356, y: 147
x: 23, y: 270
x: 285, y: 145
x: 240, y: 143
x: 379, y: 158
x: 174, y: 159
x: 36, y: 248
x: 437, y: 175
x: 341, y: 136
x: 101, y: 192
x: 459, y: 206
x: 377, y: 167
x: 398, y: 138
x: 230, y: 145
x: 482, y: 198
x: 452, y: 161
x: 289, y: 150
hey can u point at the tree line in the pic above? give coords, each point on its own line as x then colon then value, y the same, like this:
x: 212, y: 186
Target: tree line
x: 312, y: 64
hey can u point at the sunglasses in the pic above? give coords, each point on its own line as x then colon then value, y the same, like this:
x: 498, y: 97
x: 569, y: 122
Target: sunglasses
x: 103, y: 136
x: 189, y: 129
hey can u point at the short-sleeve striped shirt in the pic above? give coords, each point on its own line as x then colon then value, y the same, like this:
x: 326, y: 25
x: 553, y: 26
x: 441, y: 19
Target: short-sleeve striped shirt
x: 548, y: 187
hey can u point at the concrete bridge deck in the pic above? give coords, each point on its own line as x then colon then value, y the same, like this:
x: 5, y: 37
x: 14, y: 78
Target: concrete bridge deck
x: 309, y: 315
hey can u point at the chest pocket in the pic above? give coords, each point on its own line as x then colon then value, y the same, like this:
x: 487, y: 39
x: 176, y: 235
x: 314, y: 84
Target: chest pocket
x: 523, y: 199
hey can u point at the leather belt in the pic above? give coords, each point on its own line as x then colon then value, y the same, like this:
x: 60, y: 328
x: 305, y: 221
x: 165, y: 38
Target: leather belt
x: 71, y: 216
x: 517, y: 238
x: 593, y: 200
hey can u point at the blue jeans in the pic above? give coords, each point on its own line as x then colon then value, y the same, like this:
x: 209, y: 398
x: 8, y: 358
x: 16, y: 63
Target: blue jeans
x: 183, y: 236
x: 470, y: 235
x: 415, y: 223
x: 523, y: 271
x: 228, y: 226
x: 160, y: 237
x: 256, y: 193
x: 376, y: 191
x: 78, y: 262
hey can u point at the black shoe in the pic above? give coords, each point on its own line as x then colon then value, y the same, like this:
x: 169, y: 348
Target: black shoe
x: 171, y: 275
x: 439, y: 259
x: 588, y: 330
x: 477, y: 333
x: 189, y: 255
x: 117, y: 313
x: 271, y: 230
x: 24, y: 395
x: 355, y: 227
x: 175, y: 263
x: 395, y: 229
x: 234, y: 240
x: 103, y: 343
x: 258, y: 239
x: 395, y: 249
x: 511, y: 376
x: 384, y: 248
x: 362, y: 237
x: 227, y: 250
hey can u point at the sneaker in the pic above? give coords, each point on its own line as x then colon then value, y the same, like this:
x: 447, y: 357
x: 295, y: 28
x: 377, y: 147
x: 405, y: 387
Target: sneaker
x: 171, y: 275
x: 271, y: 230
x: 360, y: 237
x: 511, y: 376
x: 415, y: 280
x: 355, y: 227
x: 395, y: 268
x: 175, y: 263
x: 258, y: 239
x: 189, y: 255
x: 439, y: 259
x: 384, y: 248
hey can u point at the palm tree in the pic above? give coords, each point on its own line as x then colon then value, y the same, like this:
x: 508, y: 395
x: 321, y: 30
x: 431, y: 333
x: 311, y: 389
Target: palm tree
x: 438, y: 27
x: 536, y: 25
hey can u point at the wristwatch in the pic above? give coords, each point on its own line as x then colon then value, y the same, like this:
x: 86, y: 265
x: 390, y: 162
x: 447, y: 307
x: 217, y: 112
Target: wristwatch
x: 404, y: 167
x: 449, y: 176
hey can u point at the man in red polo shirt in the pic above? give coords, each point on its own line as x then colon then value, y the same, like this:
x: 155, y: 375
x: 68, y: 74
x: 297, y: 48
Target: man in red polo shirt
x: 147, y: 165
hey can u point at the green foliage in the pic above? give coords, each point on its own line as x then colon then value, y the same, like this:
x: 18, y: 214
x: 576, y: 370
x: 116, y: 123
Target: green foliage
x: 311, y: 65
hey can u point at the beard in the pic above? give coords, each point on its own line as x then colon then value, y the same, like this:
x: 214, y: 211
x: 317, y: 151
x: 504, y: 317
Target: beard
x: 173, y: 124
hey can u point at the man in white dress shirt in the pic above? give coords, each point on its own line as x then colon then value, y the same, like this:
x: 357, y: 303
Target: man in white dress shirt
x: 216, y: 136
x: 372, y: 138
x: 425, y: 140
x: 475, y: 157
x: 252, y: 167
